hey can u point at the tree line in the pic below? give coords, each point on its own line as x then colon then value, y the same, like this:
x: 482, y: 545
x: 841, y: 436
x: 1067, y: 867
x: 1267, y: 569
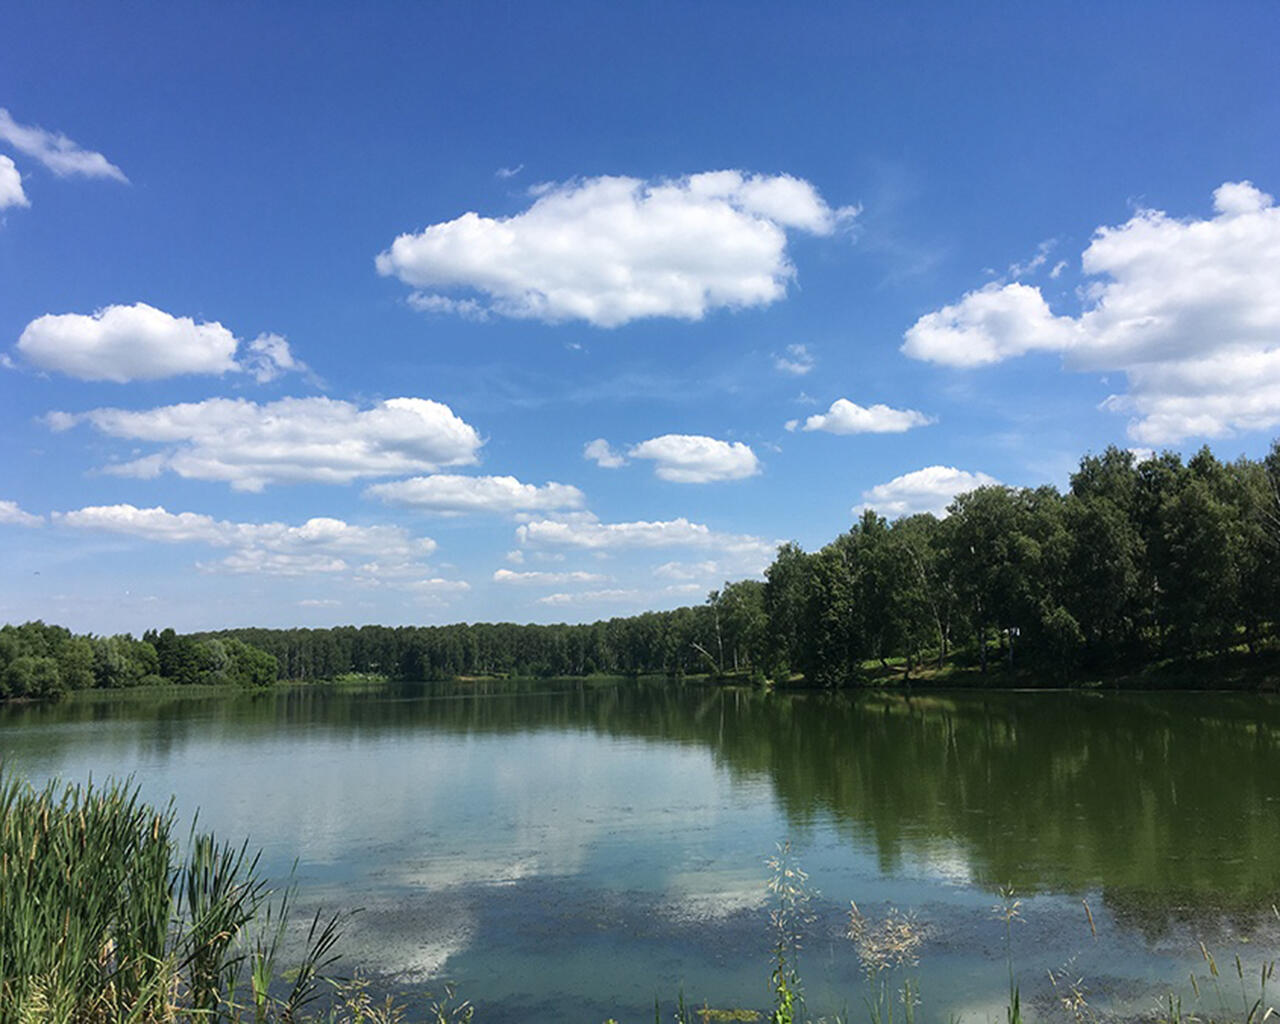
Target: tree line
x: 1138, y: 562
x: 46, y: 662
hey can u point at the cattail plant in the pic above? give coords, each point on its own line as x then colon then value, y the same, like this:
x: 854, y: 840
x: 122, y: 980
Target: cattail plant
x: 102, y: 922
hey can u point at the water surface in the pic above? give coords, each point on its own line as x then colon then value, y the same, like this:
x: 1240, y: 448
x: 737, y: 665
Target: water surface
x: 569, y: 851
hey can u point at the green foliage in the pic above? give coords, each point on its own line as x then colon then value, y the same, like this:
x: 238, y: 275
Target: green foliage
x: 101, y: 924
x: 1138, y: 563
x: 790, y: 916
x: 46, y: 662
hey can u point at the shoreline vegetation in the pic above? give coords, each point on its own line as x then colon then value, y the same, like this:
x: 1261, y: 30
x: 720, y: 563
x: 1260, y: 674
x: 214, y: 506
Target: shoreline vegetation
x: 1151, y: 574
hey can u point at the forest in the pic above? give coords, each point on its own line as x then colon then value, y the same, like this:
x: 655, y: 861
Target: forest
x: 1139, y: 563
x: 47, y: 662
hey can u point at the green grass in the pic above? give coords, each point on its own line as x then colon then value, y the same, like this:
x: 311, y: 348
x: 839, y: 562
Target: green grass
x: 1236, y: 669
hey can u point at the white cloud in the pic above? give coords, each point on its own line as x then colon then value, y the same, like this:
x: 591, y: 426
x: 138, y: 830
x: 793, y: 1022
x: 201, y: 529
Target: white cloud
x: 797, y: 361
x: 384, y: 572
x: 846, y: 417
x: 431, y: 590
x: 124, y: 343
x: 468, y: 309
x: 693, y: 459
x: 437, y: 586
x: 320, y: 545
x: 1017, y: 270
x: 318, y: 440
x: 318, y: 602
x: 1188, y: 309
x: 508, y: 172
x: 589, y: 597
x: 11, y: 193
x: 515, y: 556
x: 587, y: 533
x: 687, y: 570
x: 988, y: 325
x: 454, y: 495
x: 930, y: 489
x: 545, y: 578
x: 269, y: 357
x: 257, y: 562
x: 12, y: 515
x: 746, y: 561
x: 56, y: 151
x: 602, y: 454
x: 140, y: 342
x: 610, y: 250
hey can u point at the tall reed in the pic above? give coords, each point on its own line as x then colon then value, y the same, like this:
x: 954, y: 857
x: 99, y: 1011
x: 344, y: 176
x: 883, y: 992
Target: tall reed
x: 102, y: 923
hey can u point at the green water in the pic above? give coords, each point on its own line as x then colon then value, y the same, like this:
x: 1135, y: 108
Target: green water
x: 568, y: 851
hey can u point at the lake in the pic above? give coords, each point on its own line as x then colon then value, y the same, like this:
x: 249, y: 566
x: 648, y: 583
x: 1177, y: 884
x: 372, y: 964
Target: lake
x: 570, y: 851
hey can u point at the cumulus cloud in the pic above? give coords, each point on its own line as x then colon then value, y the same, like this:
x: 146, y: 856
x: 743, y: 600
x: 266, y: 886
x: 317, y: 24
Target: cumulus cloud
x: 256, y: 562
x: 797, y: 361
x: 846, y: 417
x: 320, y: 545
x: 455, y: 495
x: 587, y: 533
x: 11, y: 193
x: 140, y: 342
x: 319, y: 440
x: 269, y: 357
x: 12, y: 515
x: 610, y: 250
x: 124, y: 343
x: 589, y: 597
x: 602, y: 454
x: 546, y: 578
x: 56, y: 151
x: 930, y: 489
x: 1188, y: 309
x: 694, y: 459
x: 988, y: 325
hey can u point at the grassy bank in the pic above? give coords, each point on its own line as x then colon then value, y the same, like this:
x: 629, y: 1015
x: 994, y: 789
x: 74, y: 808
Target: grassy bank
x: 1232, y: 670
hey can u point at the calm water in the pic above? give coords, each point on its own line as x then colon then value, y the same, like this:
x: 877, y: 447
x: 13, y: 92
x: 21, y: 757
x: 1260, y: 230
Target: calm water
x: 570, y: 851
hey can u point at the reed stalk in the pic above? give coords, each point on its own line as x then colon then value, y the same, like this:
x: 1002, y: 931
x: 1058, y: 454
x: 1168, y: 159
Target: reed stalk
x: 102, y: 922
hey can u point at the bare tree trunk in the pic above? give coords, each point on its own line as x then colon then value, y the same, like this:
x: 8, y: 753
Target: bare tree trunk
x: 707, y: 654
x: 933, y: 604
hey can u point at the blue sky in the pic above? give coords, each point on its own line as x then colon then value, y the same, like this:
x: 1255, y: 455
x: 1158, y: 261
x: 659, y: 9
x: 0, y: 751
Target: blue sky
x: 416, y: 313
